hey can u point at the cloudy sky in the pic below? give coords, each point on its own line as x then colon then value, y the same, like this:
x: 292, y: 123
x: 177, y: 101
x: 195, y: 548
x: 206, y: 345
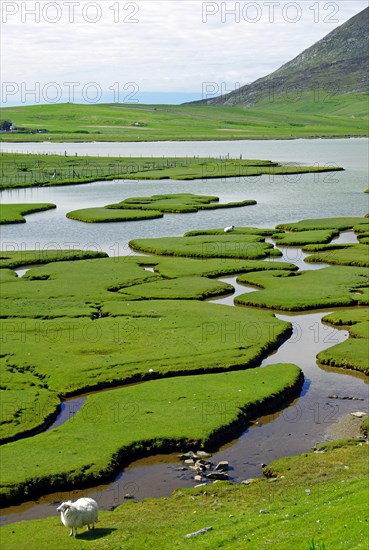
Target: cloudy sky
x: 115, y: 50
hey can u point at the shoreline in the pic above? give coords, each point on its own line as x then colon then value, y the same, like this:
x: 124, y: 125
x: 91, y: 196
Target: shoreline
x: 185, y: 140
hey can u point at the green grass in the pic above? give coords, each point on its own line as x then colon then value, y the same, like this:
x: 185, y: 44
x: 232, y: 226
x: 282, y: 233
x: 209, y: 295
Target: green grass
x: 237, y: 231
x: 63, y: 330
x: 16, y: 258
x: 14, y: 213
x: 29, y: 170
x: 73, y: 354
x: 337, y: 224
x: 353, y: 353
x: 327, y: 287
x: 305, y: 237
x: 331, y: 117
x: 103, y: 215
x: 351, y: 254
x: 333, y: 514
x: 138, y: 208
x: 227, y: 245
x: 141, y: 419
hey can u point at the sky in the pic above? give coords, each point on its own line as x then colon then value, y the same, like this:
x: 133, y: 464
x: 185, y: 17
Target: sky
x: 152, y: 50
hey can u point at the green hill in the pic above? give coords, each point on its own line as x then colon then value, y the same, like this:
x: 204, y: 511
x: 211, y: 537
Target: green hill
x: 321, y: 77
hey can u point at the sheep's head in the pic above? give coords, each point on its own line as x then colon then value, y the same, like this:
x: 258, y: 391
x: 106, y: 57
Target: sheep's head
x: 64, y: 506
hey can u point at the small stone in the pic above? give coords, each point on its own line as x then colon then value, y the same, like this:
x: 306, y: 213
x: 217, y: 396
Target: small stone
x: 217, y: 475
x: 190, y: 454
x: 222, y: 466
x: 263, y: 512
x: 128, y: 496
x: 358, y: 414
x: 198, y: 478
x: 203, y: 454
x: 248, y: 481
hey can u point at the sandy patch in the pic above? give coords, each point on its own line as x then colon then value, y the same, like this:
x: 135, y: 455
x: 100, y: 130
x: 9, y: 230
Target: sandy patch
x: 347, y: 426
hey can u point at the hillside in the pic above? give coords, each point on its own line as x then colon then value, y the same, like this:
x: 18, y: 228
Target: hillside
x: 115, y: 122
x: 333, y: 66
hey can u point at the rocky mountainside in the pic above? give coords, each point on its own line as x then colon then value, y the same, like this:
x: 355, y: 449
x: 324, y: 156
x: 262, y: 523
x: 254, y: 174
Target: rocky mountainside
x: 336, y: 64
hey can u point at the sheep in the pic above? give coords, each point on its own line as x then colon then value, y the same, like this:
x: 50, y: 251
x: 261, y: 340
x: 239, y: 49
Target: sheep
x: 79, y: 513
x: 229, y: 229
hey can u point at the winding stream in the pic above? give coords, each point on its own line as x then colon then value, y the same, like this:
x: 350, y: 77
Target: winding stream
x: 295, y: 429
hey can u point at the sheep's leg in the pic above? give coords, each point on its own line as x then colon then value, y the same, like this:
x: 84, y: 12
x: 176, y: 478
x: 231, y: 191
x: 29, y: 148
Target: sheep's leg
x: 71, y: 532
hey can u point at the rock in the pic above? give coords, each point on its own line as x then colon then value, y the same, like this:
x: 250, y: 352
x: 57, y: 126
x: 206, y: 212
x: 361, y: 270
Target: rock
x: 198, y: 478
x: 196, y: 533
x: 358, y: 414
x: 203, y: 464
x: 203, y: 454
x: 217, y: 475
x: 128, y: 496
x: 248, y: 481
x: 200, y: 485
x: 189, y: 461
x: 189, y: 454
x: 263, y: 512
x: 222, y: 466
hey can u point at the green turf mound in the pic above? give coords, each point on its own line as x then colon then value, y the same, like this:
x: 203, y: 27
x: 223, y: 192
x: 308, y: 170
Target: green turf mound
x: 351, y: 254
x: 227, y: 245
x: 354, y: 352
x: 167, y: 414
x: 338, y: 224
x: 141, y: 208
x: 14, y: 213
x: 327, y: 287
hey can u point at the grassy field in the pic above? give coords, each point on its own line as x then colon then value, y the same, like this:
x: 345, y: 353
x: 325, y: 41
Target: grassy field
x: 337, y: 224
x: 228, y: 245
x: 63, y: 331
x: 72, y: 326
x: 12, y: 259
x: 14, y: 213
x: 29, y: 170
x: 115, y: 426
x: 129, y: 122
x: 353, y: 353
x: 138, y: 208
x: 327, y: 287
x: 351, y: 254
x: 307, y: 504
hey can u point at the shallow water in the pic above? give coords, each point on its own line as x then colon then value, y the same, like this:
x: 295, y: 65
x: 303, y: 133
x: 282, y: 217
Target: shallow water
x: 280, y: 198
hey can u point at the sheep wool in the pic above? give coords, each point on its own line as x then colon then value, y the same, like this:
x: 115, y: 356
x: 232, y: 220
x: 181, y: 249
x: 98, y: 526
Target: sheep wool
x: 83, y: 511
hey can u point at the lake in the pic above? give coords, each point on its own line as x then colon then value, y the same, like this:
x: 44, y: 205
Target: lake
x: 280, y: 198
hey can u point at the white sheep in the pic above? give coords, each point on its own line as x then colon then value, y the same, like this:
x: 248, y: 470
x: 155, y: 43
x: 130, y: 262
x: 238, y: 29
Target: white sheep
x: 229, y: 229
x: 79, y: 513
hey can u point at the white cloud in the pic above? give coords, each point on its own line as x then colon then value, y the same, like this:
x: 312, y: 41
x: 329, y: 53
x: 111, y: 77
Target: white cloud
x: 170, y: 48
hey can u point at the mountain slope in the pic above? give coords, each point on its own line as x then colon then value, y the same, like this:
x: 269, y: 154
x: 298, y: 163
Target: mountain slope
x: 336, y: 64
